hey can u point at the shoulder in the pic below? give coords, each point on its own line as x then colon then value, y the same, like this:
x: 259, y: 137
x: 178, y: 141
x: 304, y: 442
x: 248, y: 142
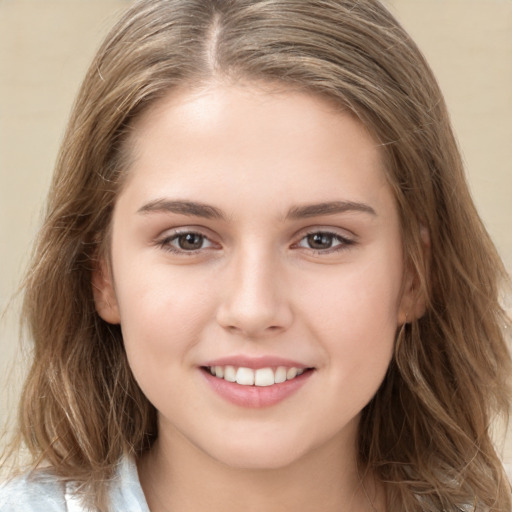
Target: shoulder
x: 34, y: 492
x: 126, y: 492
x: 40, y: 491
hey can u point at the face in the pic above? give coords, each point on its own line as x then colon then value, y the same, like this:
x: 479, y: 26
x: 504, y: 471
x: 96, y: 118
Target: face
x: 256, y: 238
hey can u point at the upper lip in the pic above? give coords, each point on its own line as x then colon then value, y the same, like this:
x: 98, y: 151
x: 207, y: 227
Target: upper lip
x: 255, y: 362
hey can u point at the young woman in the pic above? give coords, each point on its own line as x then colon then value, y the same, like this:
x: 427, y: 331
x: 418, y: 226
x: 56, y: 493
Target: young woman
x: 261, y: 281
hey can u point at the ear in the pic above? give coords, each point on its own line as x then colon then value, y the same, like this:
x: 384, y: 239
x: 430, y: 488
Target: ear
x: 104, y: 293
x: 413, y: 301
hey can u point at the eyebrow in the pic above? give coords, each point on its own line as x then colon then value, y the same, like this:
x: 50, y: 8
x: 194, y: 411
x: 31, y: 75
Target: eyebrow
x: 183, y: 208
x: 207, y: 211
x: 329, y: 208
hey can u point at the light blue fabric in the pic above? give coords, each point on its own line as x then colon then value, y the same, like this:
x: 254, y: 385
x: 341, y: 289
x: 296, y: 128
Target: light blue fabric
x: 39, y: 492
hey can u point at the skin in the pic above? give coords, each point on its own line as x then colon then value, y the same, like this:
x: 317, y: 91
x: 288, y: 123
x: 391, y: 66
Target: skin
x: 255, y: 287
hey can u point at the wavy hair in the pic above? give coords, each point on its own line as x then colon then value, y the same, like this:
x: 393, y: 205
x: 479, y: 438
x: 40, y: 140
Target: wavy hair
x: 426, y: 433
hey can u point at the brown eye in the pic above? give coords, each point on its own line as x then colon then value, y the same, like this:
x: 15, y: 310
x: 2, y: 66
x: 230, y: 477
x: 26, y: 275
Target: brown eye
x: 323, y: 241
x: 320, y: 241
x: 190, y: 241
x: 186, y: 242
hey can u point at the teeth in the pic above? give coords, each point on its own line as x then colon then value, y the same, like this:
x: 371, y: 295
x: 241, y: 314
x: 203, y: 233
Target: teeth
x: 245, y: 376
x: 264, y: 377
x: 230, y: 374
x: 259, y: 377
x: 280, y: 375
x: 291, y: 373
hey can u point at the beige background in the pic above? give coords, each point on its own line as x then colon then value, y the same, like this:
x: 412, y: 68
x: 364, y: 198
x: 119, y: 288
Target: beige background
x: 45, y: 47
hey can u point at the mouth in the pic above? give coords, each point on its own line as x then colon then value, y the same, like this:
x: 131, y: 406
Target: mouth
x: 259, y: 377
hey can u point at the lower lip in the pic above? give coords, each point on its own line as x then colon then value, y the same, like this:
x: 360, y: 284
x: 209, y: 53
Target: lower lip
x: 256, y: 396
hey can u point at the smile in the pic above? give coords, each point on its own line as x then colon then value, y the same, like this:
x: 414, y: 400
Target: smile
x: 255, y: 377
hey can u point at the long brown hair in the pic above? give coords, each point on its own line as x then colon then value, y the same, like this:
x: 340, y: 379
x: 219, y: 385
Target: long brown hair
x: 426, y: 433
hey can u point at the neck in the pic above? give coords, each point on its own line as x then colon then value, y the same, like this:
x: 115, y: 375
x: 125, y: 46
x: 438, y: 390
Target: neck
x: 179, y: 477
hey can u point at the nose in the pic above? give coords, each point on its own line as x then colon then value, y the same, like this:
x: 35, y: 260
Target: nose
x: 255, y: 302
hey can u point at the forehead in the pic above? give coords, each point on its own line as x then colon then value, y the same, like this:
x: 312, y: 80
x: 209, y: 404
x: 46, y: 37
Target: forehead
x: 236, y: 138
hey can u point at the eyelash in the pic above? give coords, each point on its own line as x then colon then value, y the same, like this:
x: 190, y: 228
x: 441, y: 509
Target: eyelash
x: 344, y: 242
x: 166, y: 242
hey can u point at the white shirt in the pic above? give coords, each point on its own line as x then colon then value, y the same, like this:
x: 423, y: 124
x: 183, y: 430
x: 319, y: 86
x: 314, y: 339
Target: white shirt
x: 39, y: 492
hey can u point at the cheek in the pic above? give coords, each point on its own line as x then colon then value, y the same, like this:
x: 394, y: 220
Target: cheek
x: 162, y: 313
x: 161, y: 322
x: 355, y: 317
x: 362, y: 299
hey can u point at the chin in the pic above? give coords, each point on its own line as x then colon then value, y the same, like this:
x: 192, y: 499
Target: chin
x: 263, y: 453
x: 259, y: 460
